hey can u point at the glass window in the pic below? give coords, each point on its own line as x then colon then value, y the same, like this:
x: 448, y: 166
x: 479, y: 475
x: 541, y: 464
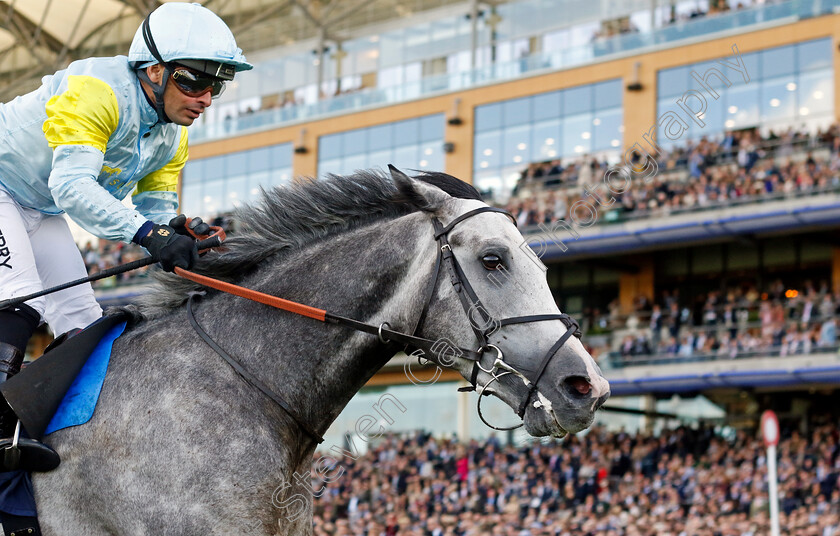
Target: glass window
x: 815, y: 92
x: 607, y: 129
x: 577, y: 135
x: 742, y: 106
x: 515, y: 145
x: 608, y: 94
x: 778, y: 62
x: 406, y: 132
x: 256, y: 180
x: 488, y: 149
x: 577, y: 100
x: 381, y: 159
x: 281, y: 176
x: 213, y: 198
x: 354, y: 162
x: 776, y: 101
x: 488, y: 117
x: 214, y: 168
x: 191, y: 200
x: 431, y: 128
x: 237, y: 163
x: 355, y: 142
x: 546, y: 106
x: 434, y: 159
x: 394, y: 143
x: 813, y: 55
x: 406, y: 157
x: 487, y: 181
x: 742, y: 257
x: 672, y: 81
x: 707, y: 259
x: 260, y: 159
x: 329, y: 146
x: 545, y: 140
x: 329, y: 166
x: 193, y: 171
x: 516, y: 111
x: 380, y: 137
x: 282, y: 155
x: 662, y: 138
x: 779, y: 253
x: 711, y: 74
x: 752, y: 62
x: 236, y: 191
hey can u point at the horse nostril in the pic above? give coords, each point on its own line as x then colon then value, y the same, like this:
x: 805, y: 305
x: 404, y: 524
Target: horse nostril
x: 579, y: 384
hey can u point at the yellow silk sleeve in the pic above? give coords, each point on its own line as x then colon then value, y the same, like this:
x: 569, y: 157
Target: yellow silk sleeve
x: 166, y: 178
x: 86, y: 113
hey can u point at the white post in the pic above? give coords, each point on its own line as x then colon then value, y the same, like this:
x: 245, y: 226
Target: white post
x: 773, y: 485
x: 463, y: 416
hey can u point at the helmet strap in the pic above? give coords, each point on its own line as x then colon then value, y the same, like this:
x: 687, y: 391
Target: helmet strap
x: 157, y: 89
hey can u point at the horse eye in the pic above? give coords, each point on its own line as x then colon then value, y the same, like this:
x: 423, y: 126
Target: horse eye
x: 491, y: 262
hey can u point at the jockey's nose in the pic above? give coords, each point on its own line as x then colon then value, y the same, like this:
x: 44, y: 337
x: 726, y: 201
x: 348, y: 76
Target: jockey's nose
x: 206, y: 99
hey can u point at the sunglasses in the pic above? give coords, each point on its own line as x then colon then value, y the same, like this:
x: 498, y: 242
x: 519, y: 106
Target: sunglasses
x: 196, y: 85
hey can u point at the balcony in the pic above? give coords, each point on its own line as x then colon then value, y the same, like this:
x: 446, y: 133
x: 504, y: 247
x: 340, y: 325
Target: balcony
x: 600, y: 50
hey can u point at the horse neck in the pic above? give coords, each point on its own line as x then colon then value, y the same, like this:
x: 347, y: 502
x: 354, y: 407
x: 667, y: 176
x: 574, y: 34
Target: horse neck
x: 375, y: 274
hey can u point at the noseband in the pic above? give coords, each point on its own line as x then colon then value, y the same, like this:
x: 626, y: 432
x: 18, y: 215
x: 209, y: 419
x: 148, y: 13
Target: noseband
x: 430, y: 348
x: 471, y: 302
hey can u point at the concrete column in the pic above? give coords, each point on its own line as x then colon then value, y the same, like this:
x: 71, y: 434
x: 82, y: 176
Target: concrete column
x: 459, y: 163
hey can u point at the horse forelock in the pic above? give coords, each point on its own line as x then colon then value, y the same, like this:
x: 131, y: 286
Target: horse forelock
x: 287, y: 218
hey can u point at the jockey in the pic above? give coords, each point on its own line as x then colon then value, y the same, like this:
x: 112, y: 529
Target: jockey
x: 89, y: 136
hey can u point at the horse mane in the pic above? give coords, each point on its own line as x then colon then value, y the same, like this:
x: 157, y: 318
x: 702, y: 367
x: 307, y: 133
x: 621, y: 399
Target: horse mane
x: 286, y: 218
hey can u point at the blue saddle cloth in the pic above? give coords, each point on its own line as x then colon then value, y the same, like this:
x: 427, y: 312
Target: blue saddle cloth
x: 77, y: 407
x: 78, y: 404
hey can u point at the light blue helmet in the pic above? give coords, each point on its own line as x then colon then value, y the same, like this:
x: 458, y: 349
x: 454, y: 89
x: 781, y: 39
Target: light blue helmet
x: 181, y: 31
x: 184, y: 34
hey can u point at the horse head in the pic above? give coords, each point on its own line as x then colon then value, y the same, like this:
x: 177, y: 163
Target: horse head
x: 492, y: 294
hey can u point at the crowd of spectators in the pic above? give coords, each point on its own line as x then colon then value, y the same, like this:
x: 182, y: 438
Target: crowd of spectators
x: 683, y: 482
x: 729, y: 324
x: 110, y: 254
x: 738, y: 167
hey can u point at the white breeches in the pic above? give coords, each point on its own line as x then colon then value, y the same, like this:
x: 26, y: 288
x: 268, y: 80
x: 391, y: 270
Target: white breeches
x: 37, y: 251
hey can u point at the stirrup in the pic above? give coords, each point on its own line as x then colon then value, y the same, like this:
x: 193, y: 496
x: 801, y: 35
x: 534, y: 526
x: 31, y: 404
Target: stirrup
x: 17, y: 453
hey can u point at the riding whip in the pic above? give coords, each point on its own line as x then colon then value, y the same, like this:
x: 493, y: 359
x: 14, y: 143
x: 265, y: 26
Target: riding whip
x: 214, y: 241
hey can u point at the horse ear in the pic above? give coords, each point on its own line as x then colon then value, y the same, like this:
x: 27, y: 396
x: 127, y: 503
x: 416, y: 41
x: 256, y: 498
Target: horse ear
x: 417, y: 193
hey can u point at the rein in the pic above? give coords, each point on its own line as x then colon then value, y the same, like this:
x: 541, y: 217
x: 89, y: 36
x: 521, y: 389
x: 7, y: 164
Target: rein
x: 469, y: 300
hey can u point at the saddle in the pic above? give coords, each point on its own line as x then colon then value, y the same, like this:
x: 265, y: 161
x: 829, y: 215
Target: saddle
x: 37, y: 391
x: 48, y: 396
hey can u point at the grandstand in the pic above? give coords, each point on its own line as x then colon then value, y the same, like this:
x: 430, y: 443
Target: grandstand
x: 674, y: 165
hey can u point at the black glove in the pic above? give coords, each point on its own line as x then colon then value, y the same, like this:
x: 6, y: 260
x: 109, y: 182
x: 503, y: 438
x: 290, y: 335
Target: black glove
x: 170, y: 248
x: 179, y: 223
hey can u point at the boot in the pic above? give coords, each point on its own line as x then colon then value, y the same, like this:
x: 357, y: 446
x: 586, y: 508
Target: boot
x: 17, y: 452
x: 11, y: 360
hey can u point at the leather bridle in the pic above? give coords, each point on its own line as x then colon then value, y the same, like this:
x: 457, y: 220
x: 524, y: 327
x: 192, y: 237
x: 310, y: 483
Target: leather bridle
x: 430, y: 348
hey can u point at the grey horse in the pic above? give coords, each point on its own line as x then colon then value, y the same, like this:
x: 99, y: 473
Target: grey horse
x: 181, y: 445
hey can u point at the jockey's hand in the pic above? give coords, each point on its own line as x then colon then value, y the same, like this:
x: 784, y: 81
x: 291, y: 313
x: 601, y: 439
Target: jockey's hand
x: 198, y: 227
x: 170, y: 248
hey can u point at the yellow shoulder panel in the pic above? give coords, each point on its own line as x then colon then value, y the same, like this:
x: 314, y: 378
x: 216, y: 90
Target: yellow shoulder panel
x: 87, y: 113
x: 166, y: 178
